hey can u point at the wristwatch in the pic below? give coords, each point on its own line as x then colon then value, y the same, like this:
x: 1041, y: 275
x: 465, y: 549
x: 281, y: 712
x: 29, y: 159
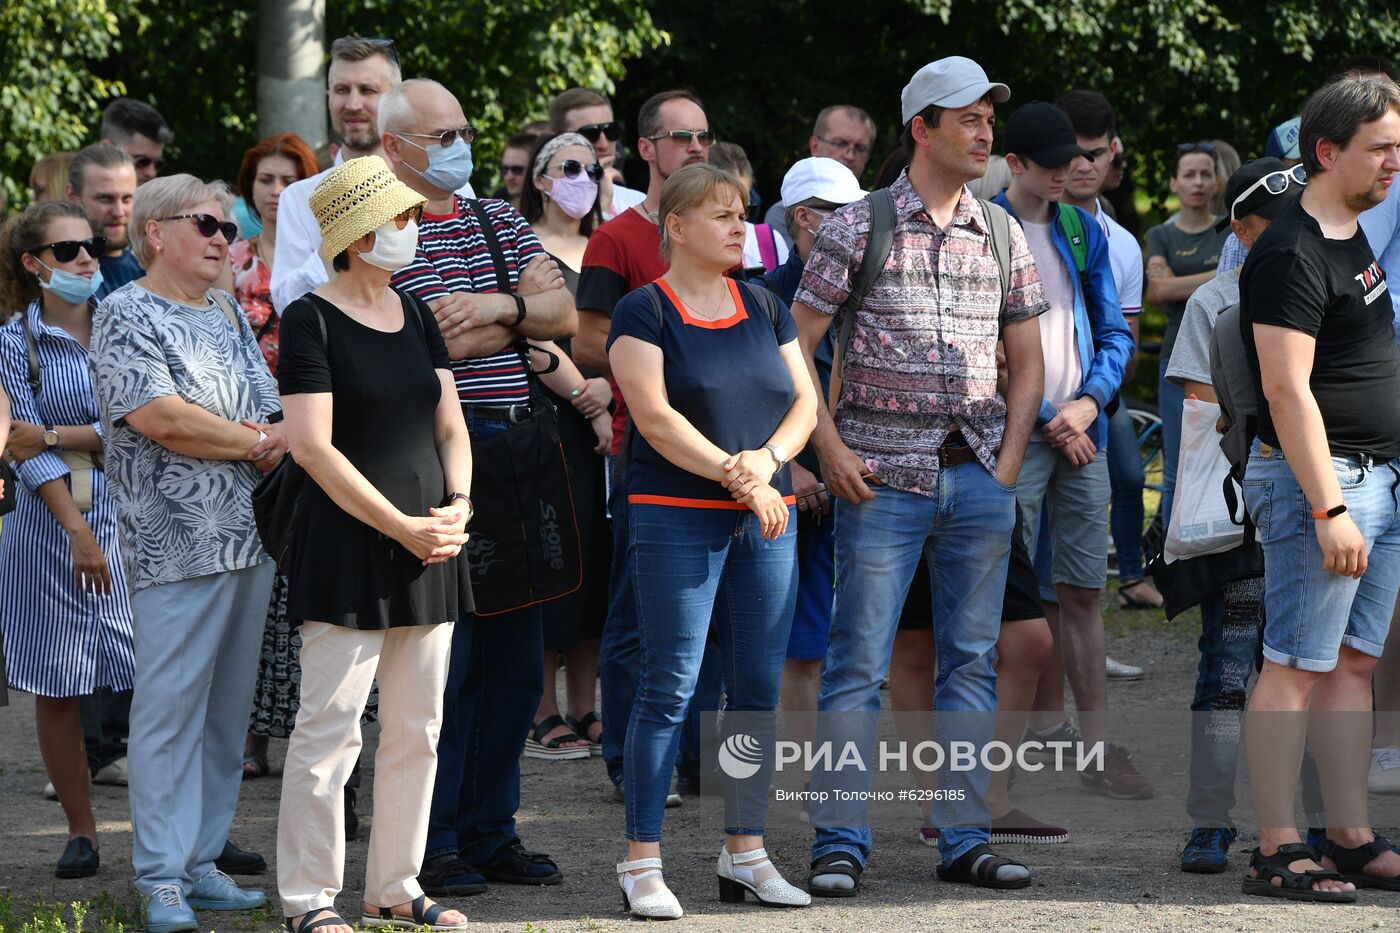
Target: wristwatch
x: 50, y: 437
x: 454, y: 496
x: 780, y: 456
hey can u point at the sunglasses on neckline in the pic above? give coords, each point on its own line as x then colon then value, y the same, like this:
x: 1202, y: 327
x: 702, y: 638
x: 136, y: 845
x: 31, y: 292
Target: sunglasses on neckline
x: 448, y: 137
x: 591, y: 131
x: 67, y: 250
x: 208, y: 225
x: 571, y: 168
x: 685, y: 136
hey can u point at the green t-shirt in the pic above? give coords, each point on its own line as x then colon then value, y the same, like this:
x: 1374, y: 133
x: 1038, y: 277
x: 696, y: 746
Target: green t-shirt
x: 1186, y: 254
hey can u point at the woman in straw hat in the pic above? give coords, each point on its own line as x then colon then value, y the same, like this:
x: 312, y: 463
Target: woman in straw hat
x: 375, y: 573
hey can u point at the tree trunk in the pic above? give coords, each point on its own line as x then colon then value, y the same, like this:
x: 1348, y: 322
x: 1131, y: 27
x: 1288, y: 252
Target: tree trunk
x: 291, y: 69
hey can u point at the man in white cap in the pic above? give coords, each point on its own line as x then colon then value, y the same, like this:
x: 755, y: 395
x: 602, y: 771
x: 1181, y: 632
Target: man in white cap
x: 923, y: 454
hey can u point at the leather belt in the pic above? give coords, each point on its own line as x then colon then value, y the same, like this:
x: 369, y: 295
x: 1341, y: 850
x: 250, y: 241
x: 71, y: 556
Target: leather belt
x: 955, y: 451
x: 511, y: 414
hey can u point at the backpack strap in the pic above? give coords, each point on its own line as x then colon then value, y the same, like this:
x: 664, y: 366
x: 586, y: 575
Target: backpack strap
x: 1073, y: 227
x: 624, y: 450
x: 767, y: 246
x: 999, y: 232
x: 872, y: 265
x: 766, y: 299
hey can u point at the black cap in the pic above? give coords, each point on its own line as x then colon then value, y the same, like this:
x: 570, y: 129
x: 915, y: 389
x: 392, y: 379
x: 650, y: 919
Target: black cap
x: 1261, y: 202
x: 1042, y: 132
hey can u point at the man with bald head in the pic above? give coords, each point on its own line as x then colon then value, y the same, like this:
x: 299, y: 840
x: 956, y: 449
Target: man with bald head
x: 842, y: 132
x: 495, y: 681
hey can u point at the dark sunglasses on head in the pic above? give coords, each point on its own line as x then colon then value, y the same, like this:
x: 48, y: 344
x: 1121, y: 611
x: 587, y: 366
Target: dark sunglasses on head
x: 386, y: 46
x: 208, y: 225
x: 1196, y: 147
x: 571, y: 168
x: 145, y: 162
x: 592, y: 131
x: 67, y: 250
x: 685, y: 136
x: 448, y: 137
x: 512, y: 169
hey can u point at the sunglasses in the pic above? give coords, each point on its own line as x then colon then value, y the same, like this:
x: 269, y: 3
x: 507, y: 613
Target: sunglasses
x: 571, y: 168
x: 1196, y: 147
x: 448, y: 137
x: 208, y: 225
x: 685, y: 136
x: 1275, y: 183
x: 592, y: 131
x: 67, y: 250
x: 512, y: 170
x: 384, y: 46
x: 145, y: 162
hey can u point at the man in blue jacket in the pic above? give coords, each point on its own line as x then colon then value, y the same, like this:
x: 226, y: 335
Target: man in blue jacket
x: 1086, y: 345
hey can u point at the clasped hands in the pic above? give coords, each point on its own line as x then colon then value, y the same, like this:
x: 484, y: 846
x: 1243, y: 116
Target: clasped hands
x: 748, y: 476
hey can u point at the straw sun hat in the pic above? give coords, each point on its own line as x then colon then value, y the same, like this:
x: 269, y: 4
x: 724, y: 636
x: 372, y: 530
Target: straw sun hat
x: 355, y: 198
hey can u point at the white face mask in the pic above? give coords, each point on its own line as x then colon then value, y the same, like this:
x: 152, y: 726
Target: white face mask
x: 393, y: 248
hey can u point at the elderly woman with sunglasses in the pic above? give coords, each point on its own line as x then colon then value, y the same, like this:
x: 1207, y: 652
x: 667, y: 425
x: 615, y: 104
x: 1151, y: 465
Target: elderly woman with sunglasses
x: 185, y: 398
x: 375, y: 572
x: 63, y: 602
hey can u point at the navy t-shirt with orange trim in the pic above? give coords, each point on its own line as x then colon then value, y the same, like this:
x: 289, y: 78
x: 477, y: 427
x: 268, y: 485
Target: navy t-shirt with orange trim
x: 726, y: 377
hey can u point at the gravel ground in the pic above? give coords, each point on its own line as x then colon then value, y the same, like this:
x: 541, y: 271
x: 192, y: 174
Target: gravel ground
x: 1117, y: 872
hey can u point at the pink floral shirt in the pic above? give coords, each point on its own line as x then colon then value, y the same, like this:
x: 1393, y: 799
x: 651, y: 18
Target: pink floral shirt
x: 252, y: 286
x: 922, y: 359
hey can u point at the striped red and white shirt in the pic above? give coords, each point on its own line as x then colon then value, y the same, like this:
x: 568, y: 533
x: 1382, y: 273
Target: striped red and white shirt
x: 453, y: 257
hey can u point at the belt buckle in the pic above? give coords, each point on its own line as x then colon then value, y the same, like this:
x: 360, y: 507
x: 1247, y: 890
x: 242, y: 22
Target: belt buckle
x: 517, y: 413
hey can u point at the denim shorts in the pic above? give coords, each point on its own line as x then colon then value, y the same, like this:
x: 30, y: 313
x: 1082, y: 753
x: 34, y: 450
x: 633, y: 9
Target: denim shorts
x: 1310, y: 613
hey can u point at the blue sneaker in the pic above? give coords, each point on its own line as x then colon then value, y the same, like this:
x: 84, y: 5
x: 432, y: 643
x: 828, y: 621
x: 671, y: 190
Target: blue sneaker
x: 1206, y: 849
x: 167, y: 912
x: 216, y: 891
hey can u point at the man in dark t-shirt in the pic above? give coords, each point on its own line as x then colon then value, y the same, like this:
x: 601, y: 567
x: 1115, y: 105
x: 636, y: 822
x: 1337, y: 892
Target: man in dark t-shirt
x: 1321, y: 485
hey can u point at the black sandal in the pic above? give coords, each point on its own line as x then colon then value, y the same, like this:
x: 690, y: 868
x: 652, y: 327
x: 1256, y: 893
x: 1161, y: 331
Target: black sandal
x: 581, y: 726
x: 835, y: 863
x: 330, y: 919
x: 978, y: 866
x: 1296, y: 886
x: 421, y: 917
x: 1351, y: 862
x: 537, y: 747
x: 1128, y: 601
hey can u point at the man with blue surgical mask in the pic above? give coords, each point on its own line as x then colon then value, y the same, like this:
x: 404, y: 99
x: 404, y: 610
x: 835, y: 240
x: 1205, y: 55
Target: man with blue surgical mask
x: 495, y: 680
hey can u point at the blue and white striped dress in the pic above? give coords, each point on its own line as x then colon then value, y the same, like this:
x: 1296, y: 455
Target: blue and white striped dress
x: 59, y: 641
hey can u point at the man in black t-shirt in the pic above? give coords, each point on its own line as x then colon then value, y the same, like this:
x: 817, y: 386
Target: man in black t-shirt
x: 1321, y: 487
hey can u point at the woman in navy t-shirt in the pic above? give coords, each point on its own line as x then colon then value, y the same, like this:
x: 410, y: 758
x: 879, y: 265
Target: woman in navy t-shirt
x: 721, y: 399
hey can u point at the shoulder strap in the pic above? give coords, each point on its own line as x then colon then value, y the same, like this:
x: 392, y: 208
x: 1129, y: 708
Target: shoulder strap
x: 218, y: 298
x: 872, y: 264
x: 31, y: 347
x: 767, y: 246
x: 999, y: 231
x: 653, y: 293
x: 766, y: 299
x: 1073, y: 226
x: 493, y: 245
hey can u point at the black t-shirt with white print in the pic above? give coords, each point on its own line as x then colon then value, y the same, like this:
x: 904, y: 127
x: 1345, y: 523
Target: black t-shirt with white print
x: 1334, y: 291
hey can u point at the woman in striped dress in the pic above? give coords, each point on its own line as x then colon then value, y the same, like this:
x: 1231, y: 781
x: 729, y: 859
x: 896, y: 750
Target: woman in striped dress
x: 63, y: 600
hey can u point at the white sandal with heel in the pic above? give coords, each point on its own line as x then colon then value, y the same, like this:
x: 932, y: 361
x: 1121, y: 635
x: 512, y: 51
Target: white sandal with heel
x: 754, y: 872
x: 646, y: 895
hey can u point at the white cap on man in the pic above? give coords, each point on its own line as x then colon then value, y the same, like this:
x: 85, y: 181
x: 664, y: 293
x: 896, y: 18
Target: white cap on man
x: 819, y: 177
x: 950, y: 82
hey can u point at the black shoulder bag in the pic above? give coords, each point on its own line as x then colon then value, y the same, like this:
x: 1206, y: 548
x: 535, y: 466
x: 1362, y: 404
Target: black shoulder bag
x: 524, y: 546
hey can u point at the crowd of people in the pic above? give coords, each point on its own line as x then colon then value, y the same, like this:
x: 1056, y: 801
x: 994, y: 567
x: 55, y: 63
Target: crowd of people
x: 345, y: 442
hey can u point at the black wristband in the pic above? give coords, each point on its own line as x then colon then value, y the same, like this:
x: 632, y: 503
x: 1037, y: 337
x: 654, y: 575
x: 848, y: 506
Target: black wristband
x: 519, y: 310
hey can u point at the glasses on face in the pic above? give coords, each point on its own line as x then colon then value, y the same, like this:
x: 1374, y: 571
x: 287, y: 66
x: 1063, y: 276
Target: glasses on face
x: 592, y: 131
x: 1196, y: 147
x: 685, y: 136
x: 67, y: 250
x: 384, y: 45
x: 144, y: 162
x: 1275, y: 183
x: 846, y: 145
x: 208, y: 225
x: 571, y: 168
x: 414, y: 214
x: 448, y: 137
x: 512, y: 170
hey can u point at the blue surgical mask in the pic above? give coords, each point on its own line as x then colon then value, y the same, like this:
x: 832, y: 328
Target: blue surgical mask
x: 71, y: 287
x: 448, y: 169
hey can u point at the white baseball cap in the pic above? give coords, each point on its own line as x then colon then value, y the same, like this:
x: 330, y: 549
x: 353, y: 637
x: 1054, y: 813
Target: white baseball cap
x: 950, y: 82
x: 819, y: 177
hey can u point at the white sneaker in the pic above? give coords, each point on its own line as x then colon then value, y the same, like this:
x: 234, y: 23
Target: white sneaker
x: 114, y: 773
x: 754, y: 872
x: 1117, y: 670
x: 1384, y: 776
x: 646, y: 895
x: 49, y: 792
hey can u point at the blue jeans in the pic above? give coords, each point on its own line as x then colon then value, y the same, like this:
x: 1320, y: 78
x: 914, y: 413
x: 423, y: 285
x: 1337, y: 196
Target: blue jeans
x: 1312, y: 613
x: 617, y: 652
x: 1170, y: 400
x: 964, y: 532
x: 1126, y: 477
x: 700, y: 563
x: 494, y: 686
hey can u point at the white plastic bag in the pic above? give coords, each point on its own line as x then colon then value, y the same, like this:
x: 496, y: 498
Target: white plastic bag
x: 1200, y: 522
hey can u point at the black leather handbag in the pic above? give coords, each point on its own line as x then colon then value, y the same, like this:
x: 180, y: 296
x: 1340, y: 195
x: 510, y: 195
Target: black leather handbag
x: 9, y: 498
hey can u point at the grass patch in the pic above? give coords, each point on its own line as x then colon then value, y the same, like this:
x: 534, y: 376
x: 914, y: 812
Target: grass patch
x: 104, y: 914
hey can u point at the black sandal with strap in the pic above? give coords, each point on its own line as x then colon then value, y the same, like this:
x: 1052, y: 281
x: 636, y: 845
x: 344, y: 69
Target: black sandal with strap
x: 978, y: 866
x: 329, y: 919
x: 581, y: 726
x: 1352, y: 862
x: 835, y: 863
x: 537, y: 747
x: 1295, y: 886
x: 422, y: 917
